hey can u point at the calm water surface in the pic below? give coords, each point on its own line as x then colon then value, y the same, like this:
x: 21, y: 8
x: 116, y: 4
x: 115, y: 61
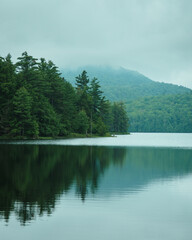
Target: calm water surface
x: 134, y: 139
x: 127, y: 187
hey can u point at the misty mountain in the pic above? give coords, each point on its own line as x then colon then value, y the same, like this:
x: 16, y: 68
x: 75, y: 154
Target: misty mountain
x: 120, y: 84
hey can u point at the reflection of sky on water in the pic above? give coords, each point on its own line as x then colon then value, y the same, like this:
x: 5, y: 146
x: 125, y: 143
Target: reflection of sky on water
x: 177, y: 140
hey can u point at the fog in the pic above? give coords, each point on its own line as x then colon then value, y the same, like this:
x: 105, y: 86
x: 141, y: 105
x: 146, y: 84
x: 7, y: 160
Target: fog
x: 152, y: 36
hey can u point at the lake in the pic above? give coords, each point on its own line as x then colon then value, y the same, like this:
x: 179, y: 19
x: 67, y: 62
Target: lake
x: 136, y: 186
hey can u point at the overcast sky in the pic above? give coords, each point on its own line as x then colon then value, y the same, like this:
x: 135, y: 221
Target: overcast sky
x: 153, y: 37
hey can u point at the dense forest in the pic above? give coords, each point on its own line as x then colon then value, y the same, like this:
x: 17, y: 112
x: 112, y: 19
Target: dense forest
x: 171, y: 113
x: 35, y: 100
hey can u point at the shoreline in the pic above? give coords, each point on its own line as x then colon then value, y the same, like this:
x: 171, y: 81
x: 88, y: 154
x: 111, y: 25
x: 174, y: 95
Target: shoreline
x: 70, y: 136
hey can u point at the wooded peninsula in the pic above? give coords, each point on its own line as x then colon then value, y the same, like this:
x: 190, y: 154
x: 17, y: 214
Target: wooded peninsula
x: 36, y: 101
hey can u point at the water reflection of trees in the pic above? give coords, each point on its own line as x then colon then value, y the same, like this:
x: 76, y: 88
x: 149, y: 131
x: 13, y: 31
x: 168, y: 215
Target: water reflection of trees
x: 32, y: 177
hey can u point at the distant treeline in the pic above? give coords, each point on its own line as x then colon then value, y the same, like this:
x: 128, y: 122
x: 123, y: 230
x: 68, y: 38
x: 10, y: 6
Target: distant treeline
x: 36, y: 101
x: 171, y: 113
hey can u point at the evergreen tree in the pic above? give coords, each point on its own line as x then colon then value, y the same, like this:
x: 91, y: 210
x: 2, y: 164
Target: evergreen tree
x: 84, y: 100
x: 26, y: 68
x: 7, y: 90
x: 120, y: 119
x: 23, y: 123
x: 101, y: 128
x: 82, y: 122
x: 106, y: 113
x: 52, y: 82
x: 82, y: 81
x: 98, y: 108
x: 96, y: 95
x: 46, y: 117
x: 69, y: 110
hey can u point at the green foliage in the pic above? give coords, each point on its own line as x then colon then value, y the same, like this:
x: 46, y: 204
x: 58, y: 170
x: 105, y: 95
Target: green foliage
x: 69, y: 109
x: 96, y: 95
x: 101, y: 128
x: 7, y: 91
x: 46, y: 117
x: 82, y: 122
x: 26, y: 68
x: 82, y: 81
x: 119, y: 118
x: 36, y: 101
x: 92, y: 103
x: 23, y: 124
x: 83, y: 97
x: 151, y: 106
x: 172, y: 113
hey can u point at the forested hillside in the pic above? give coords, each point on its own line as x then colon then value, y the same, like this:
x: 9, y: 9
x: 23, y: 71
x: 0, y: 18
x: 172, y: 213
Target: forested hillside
x: 36, y: 101
x: 172, y: 113
x: 120, y: 84
x: 151, y: 106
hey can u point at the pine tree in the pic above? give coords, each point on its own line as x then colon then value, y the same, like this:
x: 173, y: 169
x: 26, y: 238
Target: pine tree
x: 96, y: 95
x: 82, y: 122
x: 82, y: 81
x: 23, y: 124
x: 7, y: 90
x: 46, y: 117
x: 84, y: 100
x: 69, y: 109
x: 119, y: 118
x: 26, y: 68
